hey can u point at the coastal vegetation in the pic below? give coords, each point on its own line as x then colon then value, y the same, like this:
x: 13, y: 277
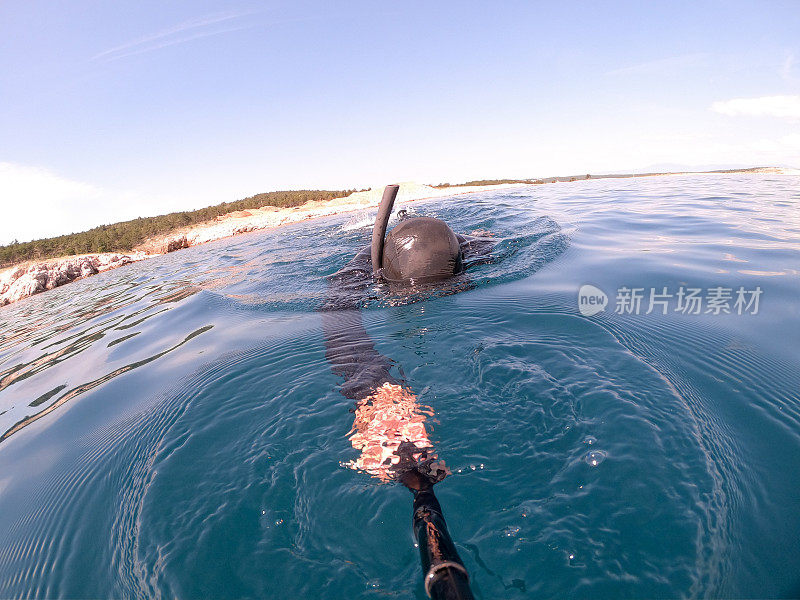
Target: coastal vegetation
x: 126, y: 235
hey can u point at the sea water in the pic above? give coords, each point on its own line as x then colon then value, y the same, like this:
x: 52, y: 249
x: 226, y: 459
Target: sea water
x: 172, y: 428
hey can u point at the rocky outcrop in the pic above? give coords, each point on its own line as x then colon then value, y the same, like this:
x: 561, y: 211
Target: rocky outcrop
x: 176, y: 244
x: 26, y: 280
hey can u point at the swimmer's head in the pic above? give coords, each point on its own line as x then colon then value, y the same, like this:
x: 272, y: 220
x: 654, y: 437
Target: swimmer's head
x: 418, y: 250
x: 421, y: 250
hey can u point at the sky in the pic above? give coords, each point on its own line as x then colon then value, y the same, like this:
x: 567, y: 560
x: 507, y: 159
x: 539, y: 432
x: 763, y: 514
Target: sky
x: 115, y: 110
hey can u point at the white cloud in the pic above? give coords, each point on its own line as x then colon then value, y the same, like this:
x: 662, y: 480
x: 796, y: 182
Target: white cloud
x: 37, y: 203
x: 785, y: 107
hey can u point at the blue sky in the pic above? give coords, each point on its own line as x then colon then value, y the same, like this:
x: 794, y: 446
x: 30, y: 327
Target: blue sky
x: 113, y: 110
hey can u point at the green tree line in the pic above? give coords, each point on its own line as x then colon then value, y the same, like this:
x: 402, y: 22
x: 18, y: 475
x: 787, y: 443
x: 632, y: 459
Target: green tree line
x: 126, y: 235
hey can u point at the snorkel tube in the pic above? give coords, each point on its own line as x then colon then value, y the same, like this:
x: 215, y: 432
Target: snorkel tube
x: 379, y: 230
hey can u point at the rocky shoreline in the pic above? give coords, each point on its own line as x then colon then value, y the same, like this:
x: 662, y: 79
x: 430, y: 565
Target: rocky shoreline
x: 22, y: 281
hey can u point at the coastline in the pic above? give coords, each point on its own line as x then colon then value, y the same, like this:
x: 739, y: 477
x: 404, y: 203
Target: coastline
x: 21, y: 281
x: 27, y: 279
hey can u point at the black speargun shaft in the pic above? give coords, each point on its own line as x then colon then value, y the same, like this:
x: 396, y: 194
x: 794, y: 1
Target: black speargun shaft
x: 445, y: 576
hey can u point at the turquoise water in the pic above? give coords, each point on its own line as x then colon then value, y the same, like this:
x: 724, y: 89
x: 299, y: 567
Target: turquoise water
x: 172, y: 428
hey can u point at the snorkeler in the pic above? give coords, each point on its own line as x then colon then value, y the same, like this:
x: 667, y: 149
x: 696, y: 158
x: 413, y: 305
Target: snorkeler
x: 389, y: 425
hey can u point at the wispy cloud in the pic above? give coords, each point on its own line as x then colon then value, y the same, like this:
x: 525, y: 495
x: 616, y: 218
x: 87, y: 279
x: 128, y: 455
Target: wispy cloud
x: 784, y: 107
x: 36, y: 203
x: 660, y: 65
x: 183, y: 32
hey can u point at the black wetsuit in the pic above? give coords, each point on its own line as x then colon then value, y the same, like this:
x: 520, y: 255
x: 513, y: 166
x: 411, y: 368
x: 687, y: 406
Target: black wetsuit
x: 349, y: 350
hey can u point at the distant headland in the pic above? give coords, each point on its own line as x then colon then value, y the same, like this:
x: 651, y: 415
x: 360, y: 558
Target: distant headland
x: 33, y: 267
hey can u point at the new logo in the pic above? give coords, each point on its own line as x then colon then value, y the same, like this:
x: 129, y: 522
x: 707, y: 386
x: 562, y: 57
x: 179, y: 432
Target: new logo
x: 591, y: 300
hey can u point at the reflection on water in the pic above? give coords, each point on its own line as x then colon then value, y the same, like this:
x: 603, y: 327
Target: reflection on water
x: 77, y: 391
x: 173, y: 427
x: 70, y: 346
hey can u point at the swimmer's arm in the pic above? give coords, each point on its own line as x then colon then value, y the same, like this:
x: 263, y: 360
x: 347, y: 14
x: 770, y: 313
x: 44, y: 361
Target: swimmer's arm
x: 352, y: 354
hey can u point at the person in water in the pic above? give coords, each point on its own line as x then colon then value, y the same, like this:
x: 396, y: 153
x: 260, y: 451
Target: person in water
x: 389, y: 425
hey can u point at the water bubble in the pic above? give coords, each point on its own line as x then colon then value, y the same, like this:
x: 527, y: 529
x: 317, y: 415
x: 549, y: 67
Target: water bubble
x: 589, y: 440
x: 594, y: 457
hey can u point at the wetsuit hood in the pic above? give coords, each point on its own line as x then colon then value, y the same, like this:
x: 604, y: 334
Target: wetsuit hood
x: 418, y: 250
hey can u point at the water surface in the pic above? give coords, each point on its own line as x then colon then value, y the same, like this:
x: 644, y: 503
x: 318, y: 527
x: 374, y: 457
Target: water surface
x: 172, y: 429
